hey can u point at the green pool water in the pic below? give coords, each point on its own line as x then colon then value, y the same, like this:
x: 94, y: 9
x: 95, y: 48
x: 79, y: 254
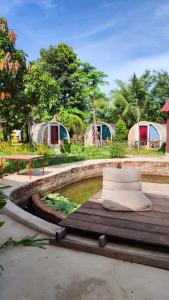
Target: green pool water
x: 81, y: 191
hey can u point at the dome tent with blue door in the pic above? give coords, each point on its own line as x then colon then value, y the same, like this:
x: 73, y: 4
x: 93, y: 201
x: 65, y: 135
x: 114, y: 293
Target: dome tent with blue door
x: 51, y: 133
x: 105, y: 133
x: 147, y: 134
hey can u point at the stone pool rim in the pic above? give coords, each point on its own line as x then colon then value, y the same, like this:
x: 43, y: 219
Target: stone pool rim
x: 146, y: 165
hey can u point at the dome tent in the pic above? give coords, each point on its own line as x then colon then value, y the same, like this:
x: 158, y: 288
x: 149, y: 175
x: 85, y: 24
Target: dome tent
x: 105, y: 132
x: 51, y: 133
x: 147, y: 134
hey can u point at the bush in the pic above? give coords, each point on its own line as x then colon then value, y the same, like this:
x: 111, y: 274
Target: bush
x: 41, y: 149
x: 121, y: 131
x: 77, y: 149
x: 117, y: 149
x: 66, y: 147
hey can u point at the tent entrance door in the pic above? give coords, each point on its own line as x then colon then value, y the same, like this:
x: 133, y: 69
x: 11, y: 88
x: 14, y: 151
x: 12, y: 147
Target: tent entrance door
x: 54, y: 135
x: 97, y: 136
x: 143, y: 134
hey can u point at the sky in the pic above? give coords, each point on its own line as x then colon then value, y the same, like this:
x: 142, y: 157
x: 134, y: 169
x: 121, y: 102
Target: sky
x: 118, y: 37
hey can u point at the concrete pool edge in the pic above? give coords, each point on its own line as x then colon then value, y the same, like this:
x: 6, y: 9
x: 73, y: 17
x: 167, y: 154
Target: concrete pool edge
x: 91, y: 168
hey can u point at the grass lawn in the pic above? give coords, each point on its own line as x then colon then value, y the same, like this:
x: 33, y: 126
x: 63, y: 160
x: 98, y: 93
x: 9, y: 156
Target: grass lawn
x: 53, y: 157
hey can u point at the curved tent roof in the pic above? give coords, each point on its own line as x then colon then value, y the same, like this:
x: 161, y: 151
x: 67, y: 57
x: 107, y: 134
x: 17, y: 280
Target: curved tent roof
x: 41, y: 131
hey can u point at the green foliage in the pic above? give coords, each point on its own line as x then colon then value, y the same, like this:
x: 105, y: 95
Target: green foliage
x: 40, y: 149
x: 29, y: 241
x: 12, y: 70
x: 40, y: 91
x: 61, y: 63
x: 60, y: 203
x: 128, y: 101
x: 78, y: 149
x: 117, y: 150
x: 145, y: 151
x: 66, y: 147
x: 141, y: 98
x: 72, y: 118
x: 121, y: 131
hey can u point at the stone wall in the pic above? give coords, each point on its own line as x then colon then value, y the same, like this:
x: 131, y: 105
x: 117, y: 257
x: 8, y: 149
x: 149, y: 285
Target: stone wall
x: 49, y: 184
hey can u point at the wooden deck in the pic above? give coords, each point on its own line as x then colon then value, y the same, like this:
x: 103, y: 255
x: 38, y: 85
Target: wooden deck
x: 147, y: 232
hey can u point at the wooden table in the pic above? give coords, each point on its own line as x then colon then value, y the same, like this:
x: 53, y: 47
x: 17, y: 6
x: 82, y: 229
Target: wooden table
x: 28, y: 158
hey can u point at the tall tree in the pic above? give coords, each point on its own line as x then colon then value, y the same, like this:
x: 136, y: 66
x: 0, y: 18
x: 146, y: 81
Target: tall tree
x: 62, y: 63
x: 90, y: 80
x: 40, y: 91
x: 129, y: 100
x: 12, y: 69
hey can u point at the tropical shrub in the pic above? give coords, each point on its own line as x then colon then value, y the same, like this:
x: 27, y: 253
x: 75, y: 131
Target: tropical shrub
x: 117, y: 149
x: 121, y: 131
x: 66, y: 147
x: 41, y: 149
x: 77, y: 149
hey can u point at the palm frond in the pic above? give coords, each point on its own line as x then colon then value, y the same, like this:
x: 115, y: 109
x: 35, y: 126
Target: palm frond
x: 29, y: 240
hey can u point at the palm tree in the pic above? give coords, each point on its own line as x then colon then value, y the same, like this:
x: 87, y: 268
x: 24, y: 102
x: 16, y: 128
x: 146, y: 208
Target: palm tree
x: 128, y: 100
x: 72, y: 118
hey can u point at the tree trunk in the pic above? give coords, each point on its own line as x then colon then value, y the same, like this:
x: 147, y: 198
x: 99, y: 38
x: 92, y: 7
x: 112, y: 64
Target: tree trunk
x: 30, y: 132
x: 138, y: 120
x: 95, y: 133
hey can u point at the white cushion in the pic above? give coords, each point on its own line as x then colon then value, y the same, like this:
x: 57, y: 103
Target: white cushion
x: 111, y: 185
x: 121, y: 175
x: 121, y: 200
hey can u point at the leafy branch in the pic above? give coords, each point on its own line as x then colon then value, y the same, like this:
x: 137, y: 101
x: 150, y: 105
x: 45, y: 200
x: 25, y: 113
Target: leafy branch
x: 29, y: 240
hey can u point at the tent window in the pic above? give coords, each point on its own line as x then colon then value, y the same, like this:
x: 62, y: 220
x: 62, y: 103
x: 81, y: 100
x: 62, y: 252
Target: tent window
x: 154, y: 134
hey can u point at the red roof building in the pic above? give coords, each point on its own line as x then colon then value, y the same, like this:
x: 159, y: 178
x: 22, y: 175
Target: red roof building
x: 165, y: 108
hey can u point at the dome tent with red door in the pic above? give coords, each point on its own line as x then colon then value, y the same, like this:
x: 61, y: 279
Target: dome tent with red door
x: 147, y: 135
x: 51, y: 133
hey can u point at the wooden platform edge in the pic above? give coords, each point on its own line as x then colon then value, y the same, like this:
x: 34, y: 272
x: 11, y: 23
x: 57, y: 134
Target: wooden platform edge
x: 118, y: 251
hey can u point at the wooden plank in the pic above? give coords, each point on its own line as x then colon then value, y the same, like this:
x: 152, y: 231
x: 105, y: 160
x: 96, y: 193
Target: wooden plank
x: 102, y: 240
x: 147, y: 217
x: 163, y: 204
x: 162, y: 220
x: 139, y: 226
x: 159, y: 202
x: 60, y: 233
x: 118, y: 233
x: 118, y: 251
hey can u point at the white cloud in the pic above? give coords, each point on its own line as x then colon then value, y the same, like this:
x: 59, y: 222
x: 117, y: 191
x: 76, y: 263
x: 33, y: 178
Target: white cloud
x: 162, y: 10
x: 97, y: 29
x: 6, y: 7
x: 46, y: 4
x: 125, y: 70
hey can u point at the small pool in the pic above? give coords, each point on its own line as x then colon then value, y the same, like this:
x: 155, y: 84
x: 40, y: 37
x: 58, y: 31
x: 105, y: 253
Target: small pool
x: 82, y: 191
